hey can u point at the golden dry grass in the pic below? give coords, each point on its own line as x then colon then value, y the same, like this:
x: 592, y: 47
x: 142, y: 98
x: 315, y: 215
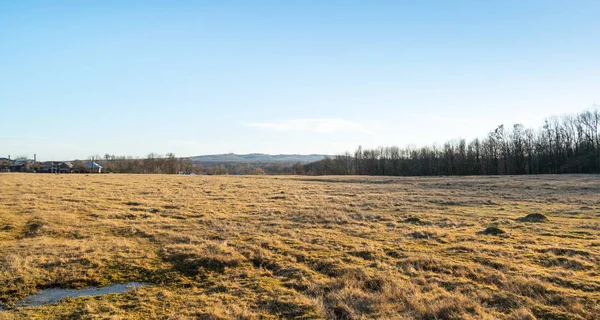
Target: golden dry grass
x: 303, y: 247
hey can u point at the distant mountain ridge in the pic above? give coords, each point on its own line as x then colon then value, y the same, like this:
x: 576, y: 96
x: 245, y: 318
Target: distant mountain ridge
x: 257, y: 158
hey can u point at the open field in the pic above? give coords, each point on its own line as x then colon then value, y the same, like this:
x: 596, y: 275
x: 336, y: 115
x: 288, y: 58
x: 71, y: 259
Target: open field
x: 221, y: 247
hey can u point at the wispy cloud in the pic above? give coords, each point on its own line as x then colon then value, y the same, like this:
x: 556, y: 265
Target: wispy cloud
x: 312, y: 125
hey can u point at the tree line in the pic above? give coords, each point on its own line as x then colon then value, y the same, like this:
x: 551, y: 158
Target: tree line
x: 567, y: 144
x: 153, y: 163
x: 170, y: 164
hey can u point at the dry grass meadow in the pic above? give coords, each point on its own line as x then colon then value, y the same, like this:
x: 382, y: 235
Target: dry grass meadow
x: 267, y: 247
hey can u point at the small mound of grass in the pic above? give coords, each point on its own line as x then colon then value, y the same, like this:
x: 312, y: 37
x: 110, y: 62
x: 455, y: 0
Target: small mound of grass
x: 213, y: 256
x: 533, y: 217
x: 493, y: 231
x: 412, y: 220
x: 423, y: 235
x: 364, y: 254
x: 33, y: 227
x: 565, y: 252
x: 415, y: 220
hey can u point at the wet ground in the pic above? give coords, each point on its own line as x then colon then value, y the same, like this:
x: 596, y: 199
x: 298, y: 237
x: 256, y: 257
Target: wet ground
x: 54, y: 295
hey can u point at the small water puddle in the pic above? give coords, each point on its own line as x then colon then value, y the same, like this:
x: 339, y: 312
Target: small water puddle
x: 51, y: 296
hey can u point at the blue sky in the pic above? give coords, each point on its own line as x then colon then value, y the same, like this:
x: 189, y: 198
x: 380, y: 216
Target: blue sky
x: 79, y: 78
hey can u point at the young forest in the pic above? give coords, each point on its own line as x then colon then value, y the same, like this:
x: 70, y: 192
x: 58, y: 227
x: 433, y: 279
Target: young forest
x: 567, y: 144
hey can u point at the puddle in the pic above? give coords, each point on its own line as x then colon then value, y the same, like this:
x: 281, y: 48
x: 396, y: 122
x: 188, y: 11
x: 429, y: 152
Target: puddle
x: 51, y: 296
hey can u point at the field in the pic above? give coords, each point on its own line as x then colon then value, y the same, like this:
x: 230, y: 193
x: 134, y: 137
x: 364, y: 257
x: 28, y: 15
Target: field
x: 242, y: 247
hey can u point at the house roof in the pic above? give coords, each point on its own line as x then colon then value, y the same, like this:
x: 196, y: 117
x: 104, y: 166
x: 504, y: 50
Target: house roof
x: 93, y: 165
x: 65, y: 164
x: 5, y: 159
x: 21, y: 162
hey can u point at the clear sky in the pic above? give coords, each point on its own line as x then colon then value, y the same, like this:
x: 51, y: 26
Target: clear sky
x: 79, y: 78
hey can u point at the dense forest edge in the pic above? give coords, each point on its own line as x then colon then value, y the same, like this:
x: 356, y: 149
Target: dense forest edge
x: 566, y: 144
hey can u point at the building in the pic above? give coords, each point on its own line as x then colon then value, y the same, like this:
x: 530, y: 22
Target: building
x: 93, y: 167
x: 22, y: 165
x: 5, y: 164
x: 48, y: 167
x: 28, y: 165
x: 65, y: 167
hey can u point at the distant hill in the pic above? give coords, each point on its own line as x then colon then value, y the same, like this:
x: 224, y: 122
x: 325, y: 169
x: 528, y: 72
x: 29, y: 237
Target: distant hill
x: 256, y: 158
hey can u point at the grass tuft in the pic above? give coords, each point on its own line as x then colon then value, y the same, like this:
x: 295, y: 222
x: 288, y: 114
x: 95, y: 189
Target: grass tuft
x: 494, y: 231
x: 533, y: 217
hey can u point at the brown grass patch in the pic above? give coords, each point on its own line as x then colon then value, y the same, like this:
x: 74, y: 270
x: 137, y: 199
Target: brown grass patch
x: 236, y: 247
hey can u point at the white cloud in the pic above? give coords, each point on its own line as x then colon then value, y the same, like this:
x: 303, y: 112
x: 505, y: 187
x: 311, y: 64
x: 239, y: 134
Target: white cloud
x: 312, y: 125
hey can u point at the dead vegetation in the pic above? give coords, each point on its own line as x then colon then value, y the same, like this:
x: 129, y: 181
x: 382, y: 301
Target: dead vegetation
x: 302, y: 247
x: 533, y: 217
x: 494, y: 231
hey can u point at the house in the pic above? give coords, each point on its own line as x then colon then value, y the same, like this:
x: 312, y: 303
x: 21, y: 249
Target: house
x: 56, y: 167
x: 65, y: 167
x: 5, y: 164
x: 48, y: 167
x: 22, y: 165
x: 93, y: 167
